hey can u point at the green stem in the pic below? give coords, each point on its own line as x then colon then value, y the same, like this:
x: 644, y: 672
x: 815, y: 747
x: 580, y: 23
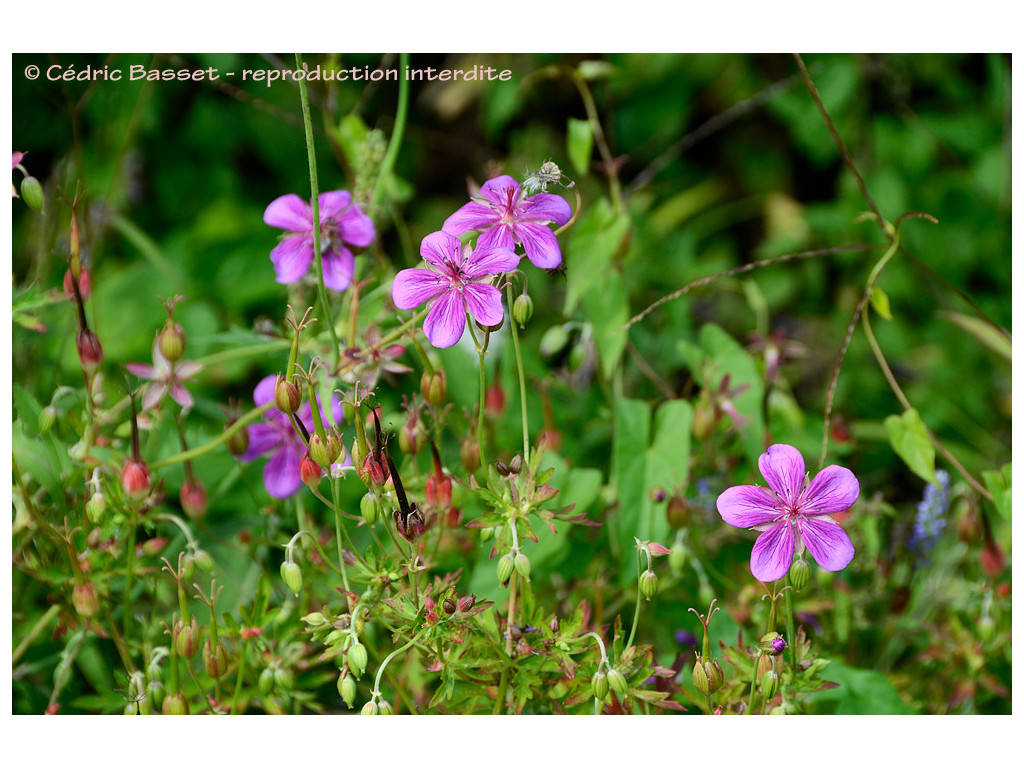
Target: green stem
x: 241, y: 676
x: 482, y: 350
x: 791, y: 628
x: 338, y: 527
x: 753, y: 684
x: 129, y: 567
x: 33, y: 633
x: 387, y: 660
x: 396, y: 134
x: 315, y: 202
x: 636, y: 613
x: 222, y: 438
x: 522, y: 377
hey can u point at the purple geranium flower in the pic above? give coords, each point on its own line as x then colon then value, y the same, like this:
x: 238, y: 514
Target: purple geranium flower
x: 163, y: 375
x: 455, y: 285
x: 792, y: 513
x: 281, y: 474
x: 341, y: 224
x: 503, y: 217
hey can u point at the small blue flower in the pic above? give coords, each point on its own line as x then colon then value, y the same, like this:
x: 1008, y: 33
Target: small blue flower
x: 930, y: 519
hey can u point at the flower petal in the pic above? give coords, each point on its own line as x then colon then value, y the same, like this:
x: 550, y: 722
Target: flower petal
x: 412, y: 287
x: 827, y: 542
x: 181, y: 395
x: 484, y: 303
x: 291, y: 258
x: 446, y: 321
x: 540, y: 244
x: 772, y: 555
x: 470, y: 216
x: 289, y: 212
x: 339, y: 268
x: 262, y: 438
x: 503, y: 192
x: 264, y: 392
x: 490, y: 261
x: 834, y: 489
x: 747, y: 505
x: 154, y: 394
x: 356, y: 227
x: 186, y: 369
x: 281, y: 475
x: 783, y: 467
x: 546, y: 207
x: 142, y: 370
x: 497, y: 236
x: 441, y: 249
x: 333, y: 203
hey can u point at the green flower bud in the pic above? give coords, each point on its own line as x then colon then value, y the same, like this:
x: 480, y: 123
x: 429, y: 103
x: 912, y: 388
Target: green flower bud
x: 86, y: 599
x: 384, y: 708
x: 266, y: 682
x: 522, y: 309
x: 238, y: 443
x: 204, y: 560
x: 649, y: 584
x: 800, y: 574
x: 319, y: 450
x: 175, y: 704
x: 617, y: 681
x: 47, y: 417
x: 986, y: 628
x: 434, y: 387
x: 287, y: 396
x: 95, y: 508
x: 707, y: 676
x: 600, y: 685
x: 291, y: 574
x: 155, y: 692
x: 314, y: 619
x: 677, y: 512
x: 188, y: 568
x: 215, y: 664
x: 32, y: 193
x: 469, y: 452
x: 369, y: 708
x: 357, y: 659
x: 172, y: 341
x: 347, y: 689
x: 368, y: 508
x: 283, y: 678
x: 186, y: 638
x: 522, y: 565
x: 769, y: 684
x: 505, y: 567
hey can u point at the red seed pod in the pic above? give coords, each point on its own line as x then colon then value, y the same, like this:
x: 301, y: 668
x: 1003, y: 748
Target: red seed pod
x: 135, y: 480
x: 439, y: 491
x: 84, y: 284
x: 494, y: 399
x: 238, y: 443
x: 86, y: 599
x: 193, y: 499
x: 374, y: 472
x: 310, y: 471
x: 90, y: 351
x: 993, y: 561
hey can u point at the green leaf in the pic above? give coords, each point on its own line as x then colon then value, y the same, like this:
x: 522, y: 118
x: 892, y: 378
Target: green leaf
x: 860, y: 692
x: 629, y: 459
x: 880, y: 301
x: 608, y: 311
x: 909, y: 438
x: 579, y: 143
x: 596, y: 237
x: 999, y: 485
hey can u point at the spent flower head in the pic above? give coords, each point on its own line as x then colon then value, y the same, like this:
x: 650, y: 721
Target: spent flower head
x: 792, y: 513
x: 342, y: 224
x: 504, y: 216
x: 456, y: 283
x: 165, y: 376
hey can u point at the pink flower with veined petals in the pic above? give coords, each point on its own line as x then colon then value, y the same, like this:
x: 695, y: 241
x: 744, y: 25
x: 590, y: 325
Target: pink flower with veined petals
x: 164, y: 375
x: 455, y: 284
x: 277, y: 435
x: 792, y: 513
x: 342, y: 224
x: 504, y: 217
